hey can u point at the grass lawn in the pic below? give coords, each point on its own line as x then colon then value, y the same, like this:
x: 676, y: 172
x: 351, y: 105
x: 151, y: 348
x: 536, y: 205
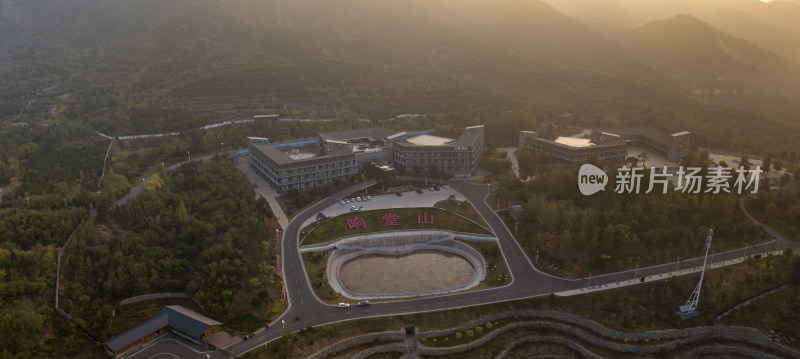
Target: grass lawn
x: 779, y: 311
x: 316, y: 265
x: 336, y: 227
x: 785, y: 229
x: 648, y: 306
x: 462, y: 208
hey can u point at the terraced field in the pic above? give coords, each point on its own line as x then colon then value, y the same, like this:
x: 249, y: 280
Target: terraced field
x: 525, y: 333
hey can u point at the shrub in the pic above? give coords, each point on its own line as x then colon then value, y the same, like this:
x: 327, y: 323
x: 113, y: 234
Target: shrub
x: 424, y: 340
x: 488, y: 325
x: 459, y: 335
x: 470, y: 333
x: 479, y: 329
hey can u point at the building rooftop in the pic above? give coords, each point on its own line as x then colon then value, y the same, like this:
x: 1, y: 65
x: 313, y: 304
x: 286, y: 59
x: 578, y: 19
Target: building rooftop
x: 574, y: 142
x: 176, y: 316
x: 429, y: 140
x: 281, y: 158
x: 649, y: 132
x: 377, y: 133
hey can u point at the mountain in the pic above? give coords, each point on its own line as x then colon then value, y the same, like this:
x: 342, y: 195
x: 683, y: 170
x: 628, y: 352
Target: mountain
x: 97, y: 60
x: 686, y: 46
x: 772, y: 25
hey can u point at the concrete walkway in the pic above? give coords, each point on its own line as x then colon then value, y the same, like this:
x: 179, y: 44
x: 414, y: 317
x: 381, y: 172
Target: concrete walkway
x: 263, y: 189
x: 511, y: 157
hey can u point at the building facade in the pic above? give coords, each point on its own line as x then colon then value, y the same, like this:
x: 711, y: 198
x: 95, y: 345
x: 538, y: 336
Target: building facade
x: 609, y: 145
x: 433, y: 155
x: 341, y: 155
x: 284, y: 173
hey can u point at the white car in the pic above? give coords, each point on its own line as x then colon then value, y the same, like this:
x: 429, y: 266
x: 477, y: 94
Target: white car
x: 360, y: 208
x: 346, y: 200
x: 341, y: 202
x: 446, y: 187
x: 358, y: 199
x: 343, y: 305
x: 369, y: 198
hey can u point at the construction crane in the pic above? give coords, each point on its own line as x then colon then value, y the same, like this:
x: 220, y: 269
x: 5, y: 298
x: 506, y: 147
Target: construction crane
x: 689, y: 309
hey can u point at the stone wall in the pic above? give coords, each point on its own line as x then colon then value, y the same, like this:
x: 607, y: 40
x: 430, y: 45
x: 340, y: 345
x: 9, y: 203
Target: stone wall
x: 398, y: 246
x: 143, y: 297
x: 396, y: 336
x: 395, y: 238
x: 658, y: 341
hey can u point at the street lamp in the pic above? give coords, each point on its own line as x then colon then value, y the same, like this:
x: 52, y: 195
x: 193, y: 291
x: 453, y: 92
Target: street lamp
x: 29, y: 201
x: 189, y: 154
x: 223, y: 147
x: 65, y: 202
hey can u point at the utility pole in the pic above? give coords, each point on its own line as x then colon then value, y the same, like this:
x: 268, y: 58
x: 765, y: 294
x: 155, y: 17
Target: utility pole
x: 689, y: 309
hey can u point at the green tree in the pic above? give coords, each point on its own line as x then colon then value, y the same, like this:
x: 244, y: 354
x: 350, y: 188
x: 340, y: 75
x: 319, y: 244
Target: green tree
x: 777, y: 165
x: 608, y: 237
x: 183, y: 213
x: 745, y: 162
x: 766, y: 164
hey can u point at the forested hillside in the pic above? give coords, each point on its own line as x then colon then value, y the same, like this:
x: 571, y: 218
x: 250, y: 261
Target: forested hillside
x: 188, y: 232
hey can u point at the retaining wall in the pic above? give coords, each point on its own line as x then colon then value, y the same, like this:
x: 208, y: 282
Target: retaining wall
x: 143, y: 297
x: 395, y: 336
x: 395, y: 238
x: 401, y: 246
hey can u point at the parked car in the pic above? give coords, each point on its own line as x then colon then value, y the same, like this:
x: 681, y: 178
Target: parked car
x: 347, y: 200
x: 446, y: 187
x: 431, y: 189
x: 399, y: 194
x: 419, y: 191
x: 341, y: 202
x: 363, y: 303
x: 358, y: 199
x: 343, y: 305
x: 363, y: 198
x: 436, y: 188
x: 360, y: 208
x: 353, y: 209
x: 369, y: 198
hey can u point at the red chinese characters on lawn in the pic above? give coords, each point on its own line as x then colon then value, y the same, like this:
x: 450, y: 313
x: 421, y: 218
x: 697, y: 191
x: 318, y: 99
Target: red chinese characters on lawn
x: 356, y: 223
x: 424, y: 219
x: 391, y: 219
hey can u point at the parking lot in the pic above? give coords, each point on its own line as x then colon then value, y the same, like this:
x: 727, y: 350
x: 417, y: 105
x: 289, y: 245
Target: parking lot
x: 409, y: 199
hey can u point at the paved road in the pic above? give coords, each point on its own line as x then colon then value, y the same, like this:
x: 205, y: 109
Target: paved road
x: 526, y: 280
x: 138, y: 189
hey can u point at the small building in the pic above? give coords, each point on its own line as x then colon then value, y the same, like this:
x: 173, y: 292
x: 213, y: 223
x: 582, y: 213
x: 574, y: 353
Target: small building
x: 175, y: 318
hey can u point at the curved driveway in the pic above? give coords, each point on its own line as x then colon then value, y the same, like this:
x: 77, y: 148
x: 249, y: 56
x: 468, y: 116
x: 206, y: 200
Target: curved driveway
x: 527, y: 281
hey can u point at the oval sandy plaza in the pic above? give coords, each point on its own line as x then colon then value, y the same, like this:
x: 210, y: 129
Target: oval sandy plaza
x: 418, y: 271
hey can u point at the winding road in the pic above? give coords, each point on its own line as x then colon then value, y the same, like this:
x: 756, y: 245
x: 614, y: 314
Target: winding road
x: 527, y: 281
